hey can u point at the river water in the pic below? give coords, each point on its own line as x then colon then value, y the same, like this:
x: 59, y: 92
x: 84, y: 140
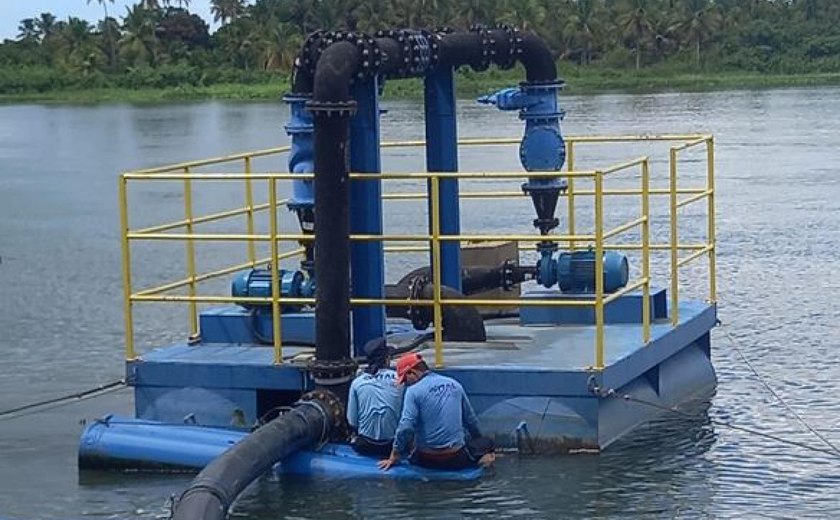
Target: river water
x: 778, y: 187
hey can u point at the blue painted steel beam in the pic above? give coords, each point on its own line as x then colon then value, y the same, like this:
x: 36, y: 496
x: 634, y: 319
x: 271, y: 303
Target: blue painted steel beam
x: 442, y: 156
x: 366, y: 258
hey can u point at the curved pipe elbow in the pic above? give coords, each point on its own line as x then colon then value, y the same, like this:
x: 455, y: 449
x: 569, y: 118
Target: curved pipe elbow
x: 336, y: 67
x: 537, y: 59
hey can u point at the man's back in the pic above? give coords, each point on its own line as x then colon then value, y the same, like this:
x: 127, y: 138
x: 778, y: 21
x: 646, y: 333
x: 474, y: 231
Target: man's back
x: 437, y: 407
x: 374, y: 405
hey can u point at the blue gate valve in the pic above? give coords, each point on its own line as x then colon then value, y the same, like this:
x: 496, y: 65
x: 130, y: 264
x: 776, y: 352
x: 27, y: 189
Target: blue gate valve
x: 542, y: 148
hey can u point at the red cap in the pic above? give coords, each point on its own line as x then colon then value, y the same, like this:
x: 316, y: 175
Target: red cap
x: 405, y: 364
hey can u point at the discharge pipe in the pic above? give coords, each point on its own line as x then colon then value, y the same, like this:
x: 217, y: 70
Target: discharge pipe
x: 217, y: 486
x: 327, y: 64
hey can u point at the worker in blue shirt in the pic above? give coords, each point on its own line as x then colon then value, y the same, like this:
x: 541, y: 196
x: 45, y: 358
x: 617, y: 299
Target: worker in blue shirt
x: 438, y: 418
x: 373, y: 407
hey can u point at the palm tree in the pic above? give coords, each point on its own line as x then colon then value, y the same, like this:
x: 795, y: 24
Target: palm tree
x: 226, y: 10
x: 139, y: 42
x: 701, y: 20
x: 581, y: 28
x: 107, y: 34
x: 636, y: 25
x: 374, y: 15
x: 27, y: 30
x: 45, y: 24
x: 280, y: 45
x: 525, y: 14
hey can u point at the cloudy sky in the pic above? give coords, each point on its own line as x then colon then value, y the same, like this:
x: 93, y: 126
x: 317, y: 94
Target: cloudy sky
x: 13, y: 11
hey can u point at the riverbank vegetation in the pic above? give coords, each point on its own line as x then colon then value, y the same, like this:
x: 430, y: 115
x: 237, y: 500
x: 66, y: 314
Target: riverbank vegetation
x: 159, y: 50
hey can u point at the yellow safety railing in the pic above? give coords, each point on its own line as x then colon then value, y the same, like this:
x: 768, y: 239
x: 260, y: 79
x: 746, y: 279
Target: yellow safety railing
x: 598, y: 239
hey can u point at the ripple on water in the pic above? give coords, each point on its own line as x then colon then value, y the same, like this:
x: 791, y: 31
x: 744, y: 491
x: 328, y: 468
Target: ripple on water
x: 778, y: 194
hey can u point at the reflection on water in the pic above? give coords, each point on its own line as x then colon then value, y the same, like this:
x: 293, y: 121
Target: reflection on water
x: 778, y: 197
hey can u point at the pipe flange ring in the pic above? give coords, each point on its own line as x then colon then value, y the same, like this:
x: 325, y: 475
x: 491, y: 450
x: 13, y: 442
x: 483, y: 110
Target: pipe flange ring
x: 507, y: 62
x: 334, y: 411
x: 419, y: 315
x: 332, y: 372
x: 484, y: 37
x: 434, y: 47
x: 369, y: 54
x: 312, y: 49
x: 332, y: 109
x: 421, y: 54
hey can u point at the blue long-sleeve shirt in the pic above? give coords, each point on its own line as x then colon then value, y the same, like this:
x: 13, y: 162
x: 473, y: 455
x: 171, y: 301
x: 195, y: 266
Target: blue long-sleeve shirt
x: 373, y: 408
x: 436, y: 411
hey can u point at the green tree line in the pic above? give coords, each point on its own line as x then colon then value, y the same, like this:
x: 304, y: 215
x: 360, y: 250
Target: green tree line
x: 157, y: 44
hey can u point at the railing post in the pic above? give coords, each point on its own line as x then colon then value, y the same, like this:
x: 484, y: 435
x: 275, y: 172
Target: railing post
x: 570, y: 189
x: 675, y: 277
x: 190, y: 247
x: 249, y: 203
x: 130, y: 353
x: 646, y: 250
x: 599, y: 270
x: 710, y: 235
x: 276, y: 328
x: 436, y: 270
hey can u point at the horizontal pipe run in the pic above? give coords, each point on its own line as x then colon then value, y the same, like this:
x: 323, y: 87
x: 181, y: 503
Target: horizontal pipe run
x: 519, y: 194
x: 690, y: 144
x: 636, y: 138
x: 695, y: 198
x: 220, y: 176
x: 214, y: 160
x: 207, y: 218
x: 624, y: 165
x: 221, y: 272
x: 472, y: 175
x: 236, y: 176
x: 361, y: 238
x: 624, y: 227
x: 626, y: 289
x: 401, y: 302
x: 693, y: 139
x: 530, y: 247
x: 694, y: 256
x: 398, y: 238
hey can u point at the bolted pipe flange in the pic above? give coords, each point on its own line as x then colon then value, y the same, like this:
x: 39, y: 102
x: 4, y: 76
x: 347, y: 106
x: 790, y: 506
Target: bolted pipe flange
x: 333, y: 408
x: 327, y: 372
x: 331, y: 108
x: 507, y: 61
x: 420, y: 315
x: 486, y: 50
x: 421, y: 52
x: 312, y: 48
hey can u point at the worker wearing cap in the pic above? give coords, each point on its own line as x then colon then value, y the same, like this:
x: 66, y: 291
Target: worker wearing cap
x: 373, y: 407
x: 436, y: 417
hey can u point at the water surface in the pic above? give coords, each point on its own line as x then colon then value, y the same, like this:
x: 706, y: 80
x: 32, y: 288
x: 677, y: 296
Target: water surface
x: 778, y: 201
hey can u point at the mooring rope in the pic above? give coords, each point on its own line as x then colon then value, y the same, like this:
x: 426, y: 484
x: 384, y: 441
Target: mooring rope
x: 719, y: 422
x: 37, y: 407
x: 775, y: 394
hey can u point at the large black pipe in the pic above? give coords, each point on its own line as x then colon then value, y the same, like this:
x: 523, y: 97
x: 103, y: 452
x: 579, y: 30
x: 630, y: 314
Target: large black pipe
x: 476, y: 49
x: 216, y: 487
x: 332, y: 108
x: 337, y: 59
x: 537, y: 59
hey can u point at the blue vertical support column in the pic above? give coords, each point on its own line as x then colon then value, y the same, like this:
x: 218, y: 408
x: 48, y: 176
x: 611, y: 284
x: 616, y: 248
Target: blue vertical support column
x: 442, y: 156
x: 366, y: 258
